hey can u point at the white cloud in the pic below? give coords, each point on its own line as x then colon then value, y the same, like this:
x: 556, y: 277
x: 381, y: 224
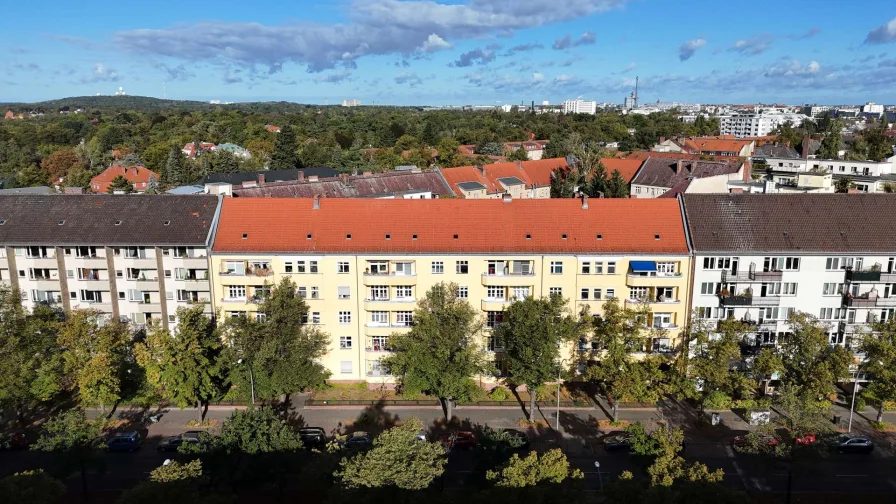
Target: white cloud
x: 753, y: 45
x: 883, y: 34
x: 687, y: 50
x: 434, y: 43
x: 101, y: 73
x: 411, y: 79
x: 537, y: 76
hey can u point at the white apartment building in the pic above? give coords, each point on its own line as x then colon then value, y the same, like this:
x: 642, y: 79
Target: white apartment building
x: 131, y: 258
x: 579, y: 106
x: 759, y: 258
x: 873, y: 108
x: 815, y: 111
x: 866, y: 176
x: 749, y: 124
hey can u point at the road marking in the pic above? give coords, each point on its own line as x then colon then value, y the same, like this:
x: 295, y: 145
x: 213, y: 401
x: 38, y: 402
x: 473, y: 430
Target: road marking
x: 740, y: 472
x: 851, y: 475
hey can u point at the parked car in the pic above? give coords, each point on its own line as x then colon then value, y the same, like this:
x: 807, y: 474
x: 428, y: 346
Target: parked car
x: 851, y: 443
x: 313, y: 437
x: 806, y: 440
x: 458, y: 440
x: 359, y: 439
x: 765, y: 441
x: 172, y: 443
x: 125, y: 442
x: 619, y: 442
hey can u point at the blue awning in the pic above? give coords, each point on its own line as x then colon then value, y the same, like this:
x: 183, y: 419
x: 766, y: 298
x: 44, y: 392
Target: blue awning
x: 643, y: 266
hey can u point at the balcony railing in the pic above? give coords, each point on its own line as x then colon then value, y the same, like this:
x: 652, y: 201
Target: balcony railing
x: 864, y: 301
x: 508, y: 273
x: 869, y: 275
x: 738, y: 300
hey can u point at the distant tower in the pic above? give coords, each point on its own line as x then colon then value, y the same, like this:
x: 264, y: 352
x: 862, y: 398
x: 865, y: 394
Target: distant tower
x: 635, y: 96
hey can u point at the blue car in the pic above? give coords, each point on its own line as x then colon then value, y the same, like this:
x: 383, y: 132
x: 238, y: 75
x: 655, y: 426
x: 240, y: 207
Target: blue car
x: 125, y: 442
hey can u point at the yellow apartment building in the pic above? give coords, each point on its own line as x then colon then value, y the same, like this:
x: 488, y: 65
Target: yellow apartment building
x: 362, y: 264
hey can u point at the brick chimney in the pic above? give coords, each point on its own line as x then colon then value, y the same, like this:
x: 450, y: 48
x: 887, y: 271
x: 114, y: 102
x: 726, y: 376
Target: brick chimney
x: 519, y: 165
x: 662, y: 139
x: 481, y: 169
x: 344, y: 177
x: 261, y: 179
x: 679, y: 166
x: 316, y: 205
x: 748, y: 171
x: 368, y: 174
x: 585, y: 202
x: 805, y: 146
x: 300, y: 176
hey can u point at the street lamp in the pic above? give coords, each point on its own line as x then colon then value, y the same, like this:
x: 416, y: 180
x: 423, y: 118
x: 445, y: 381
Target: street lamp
x: 852, y: 406
x: 599, y: 476
x: 559, y: 370
x: 251, y: 380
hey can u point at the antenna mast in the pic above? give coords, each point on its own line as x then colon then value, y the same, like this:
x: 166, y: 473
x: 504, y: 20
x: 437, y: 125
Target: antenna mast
x: 636, y: 92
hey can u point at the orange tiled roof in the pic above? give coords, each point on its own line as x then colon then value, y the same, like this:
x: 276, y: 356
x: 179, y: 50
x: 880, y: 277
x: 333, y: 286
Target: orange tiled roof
x: 460, y: 174
x: 136, y: 175
x: 642, y: 155
x: 613, y: 226
x: 704, y: 144
x: 627, y: 167
x: 529, y: 172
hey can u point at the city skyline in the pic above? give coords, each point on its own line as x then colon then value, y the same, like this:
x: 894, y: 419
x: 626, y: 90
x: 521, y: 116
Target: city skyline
x: 455, y: 52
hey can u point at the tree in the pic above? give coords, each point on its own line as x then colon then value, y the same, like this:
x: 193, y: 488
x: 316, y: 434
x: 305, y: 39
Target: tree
x: 669, y: 467
x: 429, y: 136
x: 843, y: 185
x: 439, y: 355
x: 152, y: 186
x: 31, y: 176
x: 397, y: 459
x: 284, y: 155
x: 74, y: 440
x: 175, y: 173
x: 490, y: 149
x: 531, y: 333
x: 597, y: 185
x: 33, y: 487
x: 801, y: 412
x: 565, y: 181
x: 715, y: 358
x: 617, y: 187
x: 832, y: 143
x: 619, y: 331
x: 94, y: 358
x: 518, y: 155
x: 879, y: 347
x: 810, y: 363
x: 59, y: 163
x: 120, y: 184
x: 184, y: 366
x: 533, y: 470
x: 283, y: 349
x: 176, y: 482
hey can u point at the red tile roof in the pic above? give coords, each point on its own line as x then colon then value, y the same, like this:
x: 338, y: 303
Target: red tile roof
x: 275, y: 225
x: 530, y: 172
x: 138, y: 176
x: 642, y: 155
x: 627, y: 167
x: 709, y: 144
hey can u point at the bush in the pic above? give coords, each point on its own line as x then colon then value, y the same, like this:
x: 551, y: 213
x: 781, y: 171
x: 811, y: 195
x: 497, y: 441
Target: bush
x: 889, y: 405
x: 717, y: 400
x: 883, y: 426
x: 860, y: 404
x: 546, y: 393
x: 499, y: 394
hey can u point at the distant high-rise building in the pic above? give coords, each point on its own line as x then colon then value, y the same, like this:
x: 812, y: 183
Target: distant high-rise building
x: 873, y: 108
x: 757, y: 123
x: 351, y: 103
x: 579, y: 106
x: 631, y: 101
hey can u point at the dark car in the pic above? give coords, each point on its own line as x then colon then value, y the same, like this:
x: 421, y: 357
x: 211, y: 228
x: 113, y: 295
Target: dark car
x: 125, y: 442
x: 619, y: 442
x: 313, y: 437
x: 850, y: 443
x: 172, y: 443
x: 458, y: 440
x: 359, y: 439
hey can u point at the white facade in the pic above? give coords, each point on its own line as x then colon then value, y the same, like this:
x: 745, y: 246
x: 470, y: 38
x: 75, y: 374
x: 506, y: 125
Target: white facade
x: 816, y: 110
x: 765, y: 289
x: 351, y: 103
x: 579, y: 107
x: 757, y: 123
x: 868, y: 176
x: 873, y: 108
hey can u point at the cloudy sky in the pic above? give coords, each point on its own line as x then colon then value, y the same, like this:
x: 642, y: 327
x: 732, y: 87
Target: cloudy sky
x: 453, y: 51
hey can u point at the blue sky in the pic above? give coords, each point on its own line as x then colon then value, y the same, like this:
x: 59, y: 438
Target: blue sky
x: 409, y: 52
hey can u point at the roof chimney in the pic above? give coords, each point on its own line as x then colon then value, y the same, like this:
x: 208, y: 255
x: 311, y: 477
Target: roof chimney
x: 368, y: 173
x: 344, y: 177
x: 662, y: 139
x: 481, y: 169
x: 300, y: 176
x: 316, y: 205
x: 679, y: 166
x: 261, y: 179
x: 585, y: 202
x: 519, y: 165
x: 805, y: 147
x: 312, y: 178
x: 507, y: 198
x: 748, y: 171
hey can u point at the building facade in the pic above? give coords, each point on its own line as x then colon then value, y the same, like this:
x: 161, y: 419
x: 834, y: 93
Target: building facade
x: 865, y: 176
x: 760, y: 258
x: 580, y: 107
x: 750, y: 124
x: 362, y: 265
x: 132, y: 258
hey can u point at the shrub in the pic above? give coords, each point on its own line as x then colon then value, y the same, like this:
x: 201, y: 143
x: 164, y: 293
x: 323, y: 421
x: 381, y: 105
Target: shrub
x: 889, y: 405
x: 499, y: 394
x: 883, y: 426
x: 717, y: 400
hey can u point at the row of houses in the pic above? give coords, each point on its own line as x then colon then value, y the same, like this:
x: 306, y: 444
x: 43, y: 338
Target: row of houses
x: 362, y: 264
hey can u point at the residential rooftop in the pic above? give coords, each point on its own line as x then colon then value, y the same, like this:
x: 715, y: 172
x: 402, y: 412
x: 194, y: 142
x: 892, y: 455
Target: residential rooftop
x: 451, y: 226
x: 804, y: 223
x: 368, y: 185
x: 664, y: 172
x: 105, y: 219
x: 291, y: 174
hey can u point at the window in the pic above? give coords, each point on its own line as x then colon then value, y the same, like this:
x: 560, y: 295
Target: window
x: 463, y: 292
x: 788, y: 289
x: 555, y: 291
x: 315, y: 293
x: 493, y: 319
x: 716, y: 263
x: 345, y: 367
x: 709, y: 288
x: 378, y: 267
x: 302, y: 292
x: 343, y: 292
x: 832, y: 289
x: 611, y: 268
x: 236, y: 291
x: 300, y: 267
x: 167, y: 273
x: 237, y: 268
x: 586, y: 268
x: 121, y: 295
x: 379, y: 293
x: 781, y: 264
x: 493, y: 292
x: 611, y: 293
x: 639, y: 293
x: 598, y: 267
x: 665, y: 268
x: 345, y: 317
x: 556, y: 268
x: 312, y: 266
x: 585, y: 294
x: 378, y: 343
x: 519, y: 293
x: 118, y: 274
x: 169, y: 295
x: 832, y: 314
x: 462, y: 267
x: 287, y: 267
x: 404, y: 318
x: 597, y: 294
x: 379, y: 317
x: 832, y: 263
x: 315, y: 317
x: 404, y: 292
x: 438, y: 267
x: 261, y: 316
x: 342, y: 267
x: 662, y: 320
x: 345, y: 342
x: 403, y: 269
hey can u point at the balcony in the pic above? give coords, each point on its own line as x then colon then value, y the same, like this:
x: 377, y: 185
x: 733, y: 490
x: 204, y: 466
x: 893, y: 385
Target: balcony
x: 888, y: 277
x: 886, y: 302
x: 378, y: 372
x: 237, y: 300
x: 494, y: 304
x: 737, y: 300
x: 190, y: 262
x: 44, y: 262
x: 872, y: 275
x: 658, y: 280
x: 767, y: 301
x: 384, y: 329
x: 91, y: 262
x: 768, y: 276
x: 390, y: 304
x: 653, y: 303
x: 862, y: 301
x: 389, y: 279
x: 377, y: 346
x: 507, y: 279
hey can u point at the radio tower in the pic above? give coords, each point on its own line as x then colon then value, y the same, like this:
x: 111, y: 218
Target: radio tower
x: 635, y: 96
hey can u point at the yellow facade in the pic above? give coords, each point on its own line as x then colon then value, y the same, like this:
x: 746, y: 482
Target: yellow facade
x: 359, y: 300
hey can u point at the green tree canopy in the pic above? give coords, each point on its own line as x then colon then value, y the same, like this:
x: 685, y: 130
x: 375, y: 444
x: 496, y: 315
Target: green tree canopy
x: 879, y: 347
x: 552, y: 467
x: 33, y: 487
x: 284, y: 155
x: 120, y: 184
x: 74, y: 440
x: 94, y: 358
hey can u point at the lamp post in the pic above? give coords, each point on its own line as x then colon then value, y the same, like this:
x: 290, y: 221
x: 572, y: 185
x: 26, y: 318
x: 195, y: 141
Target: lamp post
x: 251, y: 380
x: 559, y: 370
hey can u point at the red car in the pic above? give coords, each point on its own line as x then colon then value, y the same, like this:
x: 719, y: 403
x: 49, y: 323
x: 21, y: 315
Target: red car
x: 458, y: 440
x: 806, y: 440
x: 743, y: 441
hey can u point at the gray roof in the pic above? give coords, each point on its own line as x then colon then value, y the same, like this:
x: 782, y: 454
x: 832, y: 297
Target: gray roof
x: 804, y: 223
x: 353, y: 186
x: 28, y: 190
x: 770, y: 150
x: 510, y: 181
x: 471, y: 186
x: 270, y: 175
x: 187, y: 189
x: 88, y: 219
x: 663, y: 172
